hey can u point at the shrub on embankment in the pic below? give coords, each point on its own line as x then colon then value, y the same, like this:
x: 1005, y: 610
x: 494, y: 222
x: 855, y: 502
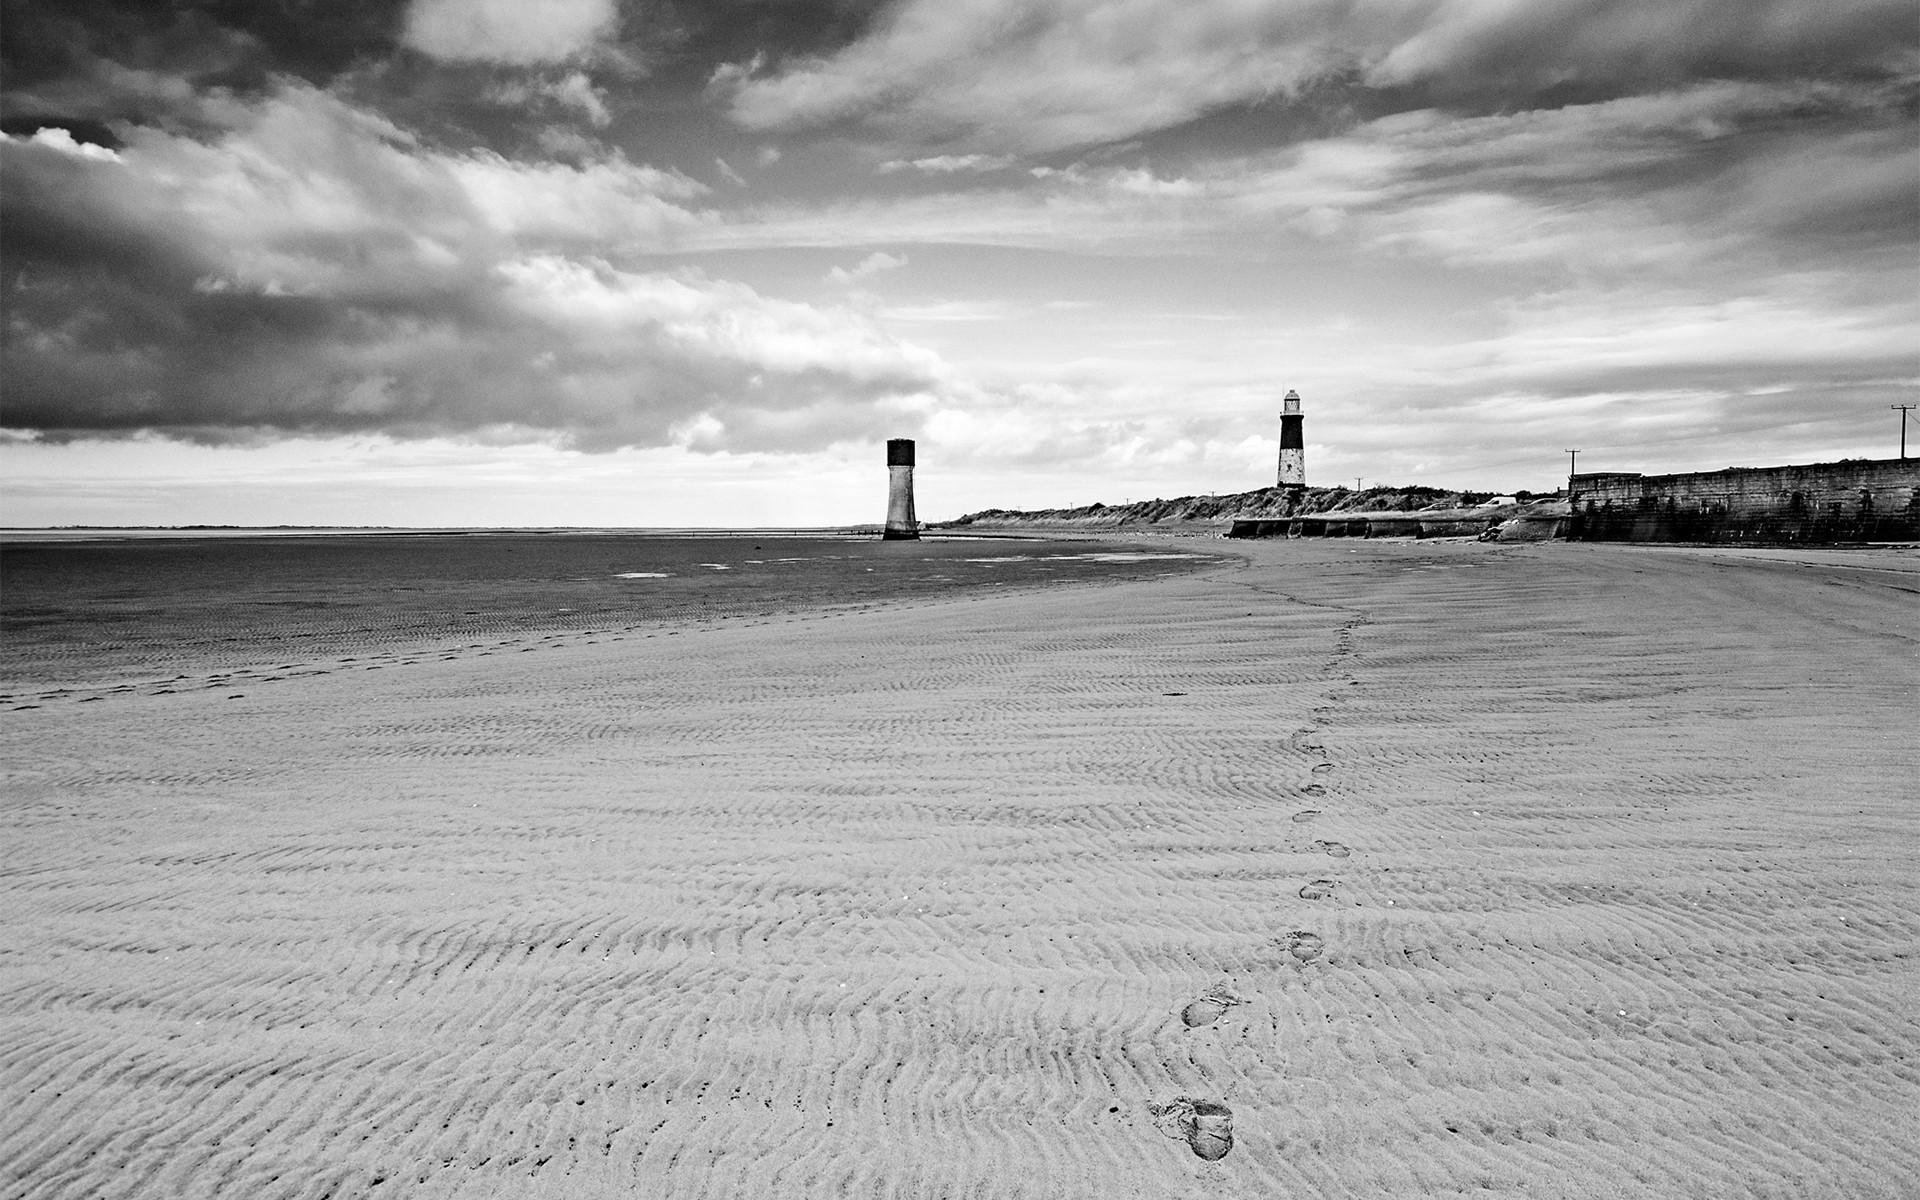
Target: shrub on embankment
x: 1261, y: 504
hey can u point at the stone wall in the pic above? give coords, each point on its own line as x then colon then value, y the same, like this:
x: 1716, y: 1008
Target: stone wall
x: 1364, y: 525
x: 1859, y: 500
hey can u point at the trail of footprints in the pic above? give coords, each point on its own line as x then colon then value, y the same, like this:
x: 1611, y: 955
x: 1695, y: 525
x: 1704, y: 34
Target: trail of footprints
x: 1205, y: 1124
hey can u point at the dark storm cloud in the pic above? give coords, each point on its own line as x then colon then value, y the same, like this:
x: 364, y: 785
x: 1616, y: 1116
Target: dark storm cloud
x: 95, y: 66
x: 313, y: 269
x: 198, y: 244
x: 77, y: 48
x: 530, y: 79
x: 144, y: 63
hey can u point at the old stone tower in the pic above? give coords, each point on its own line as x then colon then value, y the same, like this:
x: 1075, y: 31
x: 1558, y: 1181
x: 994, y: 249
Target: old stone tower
x: 901, y: 524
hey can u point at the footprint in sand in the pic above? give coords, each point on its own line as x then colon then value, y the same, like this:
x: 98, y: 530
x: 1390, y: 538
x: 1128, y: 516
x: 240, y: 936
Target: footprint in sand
x: 1322, y: 768
x: 1313, y: 789
x: 1304, y: 946
x: 1204, y: 1125
x: 1334, y: 849
x: 1319, y: 889
x: 1211, y: 1133
x: 1210, y: 1007
x: 1301, y: 818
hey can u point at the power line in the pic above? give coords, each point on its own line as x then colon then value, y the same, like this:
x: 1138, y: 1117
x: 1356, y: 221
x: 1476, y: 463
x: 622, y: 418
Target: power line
x: 1488, y: 466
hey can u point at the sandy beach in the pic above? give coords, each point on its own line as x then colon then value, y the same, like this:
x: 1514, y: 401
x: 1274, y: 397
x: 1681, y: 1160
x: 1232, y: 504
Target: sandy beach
x: 1398, y: 869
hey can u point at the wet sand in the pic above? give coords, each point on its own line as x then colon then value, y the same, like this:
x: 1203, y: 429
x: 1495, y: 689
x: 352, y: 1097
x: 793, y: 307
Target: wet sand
x: 1370, y: 869
x: 87, y: 617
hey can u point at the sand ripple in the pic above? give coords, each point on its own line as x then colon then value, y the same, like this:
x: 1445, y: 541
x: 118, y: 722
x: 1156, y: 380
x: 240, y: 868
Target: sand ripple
x: 1399, y: 871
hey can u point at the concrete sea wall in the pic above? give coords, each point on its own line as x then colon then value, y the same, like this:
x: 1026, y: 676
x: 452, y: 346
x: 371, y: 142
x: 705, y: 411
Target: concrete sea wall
x: 1859, y: 500
x: 1507, y: 523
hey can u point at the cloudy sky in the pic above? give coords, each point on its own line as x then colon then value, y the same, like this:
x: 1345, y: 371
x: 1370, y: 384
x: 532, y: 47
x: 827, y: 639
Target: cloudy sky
x: 672, y: 262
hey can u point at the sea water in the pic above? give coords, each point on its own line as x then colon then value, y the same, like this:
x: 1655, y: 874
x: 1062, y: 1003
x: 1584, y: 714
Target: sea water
x: 99, y: 610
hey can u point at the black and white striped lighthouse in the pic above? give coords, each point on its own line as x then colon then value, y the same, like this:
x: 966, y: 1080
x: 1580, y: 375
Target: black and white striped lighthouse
x: 901, y: 524
x: 1293, y: 443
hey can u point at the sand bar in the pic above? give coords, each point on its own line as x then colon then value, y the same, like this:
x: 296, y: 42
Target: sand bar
x: 1381, y: 869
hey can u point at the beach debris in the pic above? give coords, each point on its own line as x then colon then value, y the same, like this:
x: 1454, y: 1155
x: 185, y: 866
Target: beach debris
x: 1206, y: 1126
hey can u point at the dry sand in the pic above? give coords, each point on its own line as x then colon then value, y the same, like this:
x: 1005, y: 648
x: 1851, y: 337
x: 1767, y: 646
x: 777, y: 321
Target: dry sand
x: 1368, y: 869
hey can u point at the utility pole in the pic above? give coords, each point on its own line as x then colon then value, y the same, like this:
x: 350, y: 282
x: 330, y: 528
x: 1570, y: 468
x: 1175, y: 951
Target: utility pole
x: 1904, y: 410
x: 1573, y: 511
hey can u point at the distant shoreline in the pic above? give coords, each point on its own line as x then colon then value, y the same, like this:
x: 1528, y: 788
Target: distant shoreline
x: 88, y: 615
x: 76, y: 533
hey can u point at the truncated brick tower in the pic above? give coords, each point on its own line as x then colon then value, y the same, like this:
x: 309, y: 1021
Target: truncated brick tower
x: 1293, y: 444
x: 900, y: 521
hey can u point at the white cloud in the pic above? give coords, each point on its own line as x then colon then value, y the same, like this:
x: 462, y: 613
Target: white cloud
x: 577, y: 91
x: 520, y: 32
x: 1718, y: 179
x: 607, y: 204
x: 948, y: 164
x: 716, y: 319
x: 1545, y: 41
x: 1015, y: 76
x: 1581, y: 336
x: 1019, y: 76
x: 572, y: 91
x: 320, y: 194
x: 62, y: 141
x: 872, y: 264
